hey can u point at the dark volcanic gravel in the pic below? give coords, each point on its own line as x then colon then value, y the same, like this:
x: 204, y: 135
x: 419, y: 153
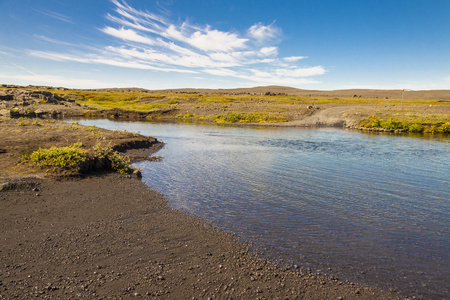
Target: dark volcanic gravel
x: 111, y: 237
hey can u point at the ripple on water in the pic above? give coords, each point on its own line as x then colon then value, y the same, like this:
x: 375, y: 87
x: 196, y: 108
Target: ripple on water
x: 373, y: 208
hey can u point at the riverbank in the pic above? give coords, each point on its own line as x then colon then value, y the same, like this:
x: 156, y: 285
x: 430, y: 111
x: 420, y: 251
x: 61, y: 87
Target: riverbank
x: 109, y: 236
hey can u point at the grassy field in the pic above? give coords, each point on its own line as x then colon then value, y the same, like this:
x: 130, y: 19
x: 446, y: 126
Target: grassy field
x: 418, y: 115
x: 103, y: 98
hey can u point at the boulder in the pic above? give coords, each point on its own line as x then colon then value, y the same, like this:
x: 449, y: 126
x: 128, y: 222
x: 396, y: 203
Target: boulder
x: 5, y: 112
x: 6, y: 97
x: 137, y: 174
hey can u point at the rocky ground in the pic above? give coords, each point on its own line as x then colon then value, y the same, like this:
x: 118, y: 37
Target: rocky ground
x: 30, y: 103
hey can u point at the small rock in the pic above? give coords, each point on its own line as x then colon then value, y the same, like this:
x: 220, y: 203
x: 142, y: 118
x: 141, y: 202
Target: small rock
x: 137, y: 174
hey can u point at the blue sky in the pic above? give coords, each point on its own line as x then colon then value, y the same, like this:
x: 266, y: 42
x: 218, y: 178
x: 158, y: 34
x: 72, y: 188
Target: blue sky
x: 320, y: 44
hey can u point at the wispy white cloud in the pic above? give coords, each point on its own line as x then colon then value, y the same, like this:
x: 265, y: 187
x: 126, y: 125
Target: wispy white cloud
x: 145, y: 40
x: 301, y: 72
x: 215, y: 40
x: 221, y: 72
x: 5, y: 53
x: 56, y: 15
x: 10, y: 51
x: 265, y: 77
x: 262, y: 33
x: 293, y: 58
x: 269, y: 51
x: 50, y: 40
x: 25, y: 69
x: 128, y: 35
x: 102, y: 59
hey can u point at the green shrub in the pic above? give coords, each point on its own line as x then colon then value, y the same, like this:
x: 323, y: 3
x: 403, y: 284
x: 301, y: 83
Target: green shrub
x: 446, y: 127
x: 229, y: 118
x: 416, y: 128
x: 74, y: 157
x: 256, y: 117
x: 393, y: 124
x: 431, y: 129
x: 372, y: 122
x: 119, y: 163
x: 61, y: 157
x: 186, y: 116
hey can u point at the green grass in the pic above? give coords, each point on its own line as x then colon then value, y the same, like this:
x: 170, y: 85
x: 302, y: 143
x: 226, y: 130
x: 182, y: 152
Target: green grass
x: 60, y: 157
x: 75, y: 157
x: 255, y: 117
x: 189, y: 115
x: 446, y: 127
x: 99, y: 98
x: 105, y: 98
x: 173, y: 101
x: 428, y: 124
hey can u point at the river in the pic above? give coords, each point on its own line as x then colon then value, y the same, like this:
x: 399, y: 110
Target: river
x: 369, y: 208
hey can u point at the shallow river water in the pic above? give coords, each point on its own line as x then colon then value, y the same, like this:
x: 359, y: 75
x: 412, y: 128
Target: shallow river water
x: 370, y: 208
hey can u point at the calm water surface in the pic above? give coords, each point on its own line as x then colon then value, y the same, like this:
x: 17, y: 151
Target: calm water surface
x: 370, y: 208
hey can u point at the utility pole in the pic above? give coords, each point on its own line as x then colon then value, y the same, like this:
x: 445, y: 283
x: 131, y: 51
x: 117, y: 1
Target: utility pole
x: 403, y: 96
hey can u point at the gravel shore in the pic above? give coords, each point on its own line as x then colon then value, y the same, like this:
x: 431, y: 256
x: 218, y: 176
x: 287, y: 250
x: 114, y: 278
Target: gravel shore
x: 110, y: 237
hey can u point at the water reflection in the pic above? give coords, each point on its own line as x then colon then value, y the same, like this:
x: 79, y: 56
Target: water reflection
x: 373, y: 208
